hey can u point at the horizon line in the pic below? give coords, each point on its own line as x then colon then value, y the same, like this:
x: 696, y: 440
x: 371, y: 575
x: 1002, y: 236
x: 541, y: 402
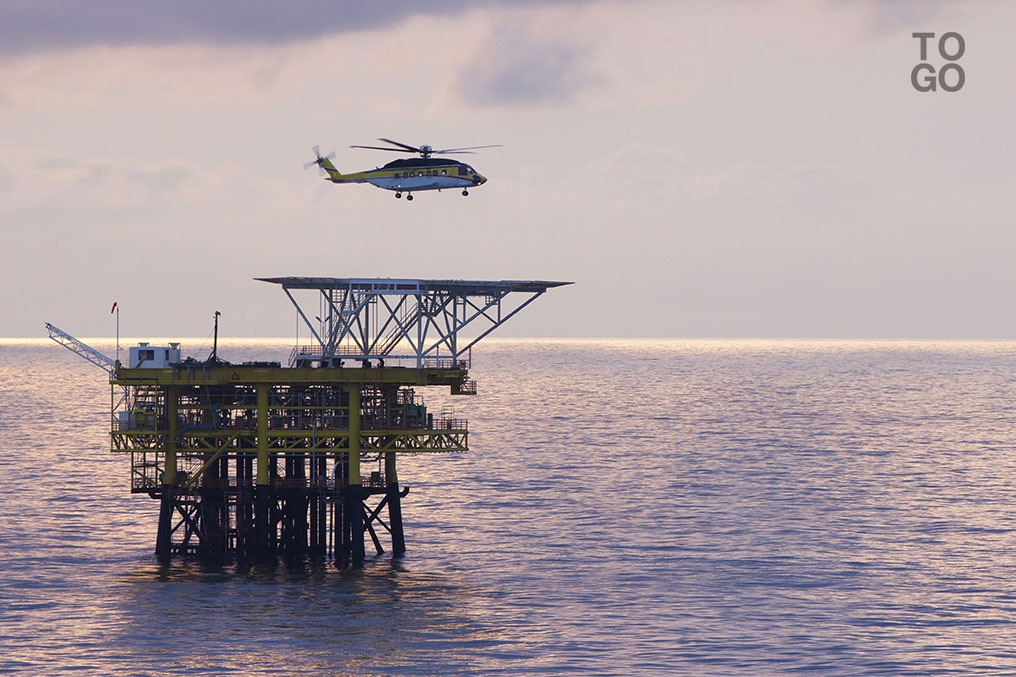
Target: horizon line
x: 197, y: 339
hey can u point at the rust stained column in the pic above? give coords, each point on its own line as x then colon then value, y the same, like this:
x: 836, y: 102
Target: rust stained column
x: 262, y: 489
x: 353, y: 491
x: 164, y: 538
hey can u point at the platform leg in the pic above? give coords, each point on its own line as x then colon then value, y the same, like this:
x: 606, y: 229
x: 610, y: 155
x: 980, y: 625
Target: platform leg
x: 352, y: 499
x: 353, y: 493
x: 394, y: 506
x: 164, y: 537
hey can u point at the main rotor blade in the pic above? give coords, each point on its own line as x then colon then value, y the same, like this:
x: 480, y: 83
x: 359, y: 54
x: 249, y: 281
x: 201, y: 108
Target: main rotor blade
x: 394, y: 150
x: 467, y: 148
x: 415, y: 149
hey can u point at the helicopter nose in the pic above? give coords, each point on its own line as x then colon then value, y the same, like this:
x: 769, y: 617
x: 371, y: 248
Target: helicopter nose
x: 479, y: 179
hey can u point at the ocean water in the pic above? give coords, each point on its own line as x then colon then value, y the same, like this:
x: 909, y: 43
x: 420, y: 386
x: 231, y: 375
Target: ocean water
x: 628, y: 507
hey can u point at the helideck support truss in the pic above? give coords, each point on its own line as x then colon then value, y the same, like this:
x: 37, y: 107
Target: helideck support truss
x: 418, y: 320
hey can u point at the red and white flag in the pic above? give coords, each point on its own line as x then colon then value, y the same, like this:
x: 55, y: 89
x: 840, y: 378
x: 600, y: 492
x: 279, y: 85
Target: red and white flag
x: 113, y: 309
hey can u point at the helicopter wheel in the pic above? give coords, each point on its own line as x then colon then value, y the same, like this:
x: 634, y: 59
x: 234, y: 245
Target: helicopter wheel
x: 409, y: 196
x: 465, y: 192
x: 398, y: 195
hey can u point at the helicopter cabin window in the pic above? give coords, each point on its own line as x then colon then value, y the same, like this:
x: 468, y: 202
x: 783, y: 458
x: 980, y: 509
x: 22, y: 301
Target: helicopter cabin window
x: 395, y: 175
x: 444, y: 172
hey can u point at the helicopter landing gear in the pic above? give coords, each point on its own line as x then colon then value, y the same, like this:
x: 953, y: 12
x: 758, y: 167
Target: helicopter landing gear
x: 398, y: 195
x: 409, y: 196
x: 465, y: 192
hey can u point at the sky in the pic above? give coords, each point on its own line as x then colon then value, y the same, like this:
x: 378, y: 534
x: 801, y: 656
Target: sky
x: 698, y: 169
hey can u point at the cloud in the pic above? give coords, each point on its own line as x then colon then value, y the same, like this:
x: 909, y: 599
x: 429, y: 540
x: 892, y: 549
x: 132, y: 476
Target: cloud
x: 882, y: 17
x: 59, y: 183
x: 31, y: 26
x: 517, y: 67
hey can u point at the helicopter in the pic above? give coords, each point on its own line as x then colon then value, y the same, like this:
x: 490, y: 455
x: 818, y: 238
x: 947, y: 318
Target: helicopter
x: 408, y: 174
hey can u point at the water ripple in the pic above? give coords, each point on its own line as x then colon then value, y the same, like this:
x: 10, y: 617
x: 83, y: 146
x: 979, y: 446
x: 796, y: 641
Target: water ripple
x: 651, y: 507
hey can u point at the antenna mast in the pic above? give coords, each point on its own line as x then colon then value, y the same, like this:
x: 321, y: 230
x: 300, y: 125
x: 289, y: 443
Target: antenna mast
x: 215, y: 340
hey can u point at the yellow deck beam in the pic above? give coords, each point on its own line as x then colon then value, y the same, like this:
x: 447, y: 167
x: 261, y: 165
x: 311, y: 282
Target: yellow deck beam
x: 185, y: 376
x: 205, y: 441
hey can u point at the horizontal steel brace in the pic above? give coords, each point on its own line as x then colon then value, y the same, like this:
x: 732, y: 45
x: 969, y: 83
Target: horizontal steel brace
x: 289, y: 376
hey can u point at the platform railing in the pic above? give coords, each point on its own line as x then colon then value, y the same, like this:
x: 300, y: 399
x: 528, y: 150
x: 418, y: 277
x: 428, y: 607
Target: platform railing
x: 143, y: 481
x: 314, y: 353
x: 187, y: 426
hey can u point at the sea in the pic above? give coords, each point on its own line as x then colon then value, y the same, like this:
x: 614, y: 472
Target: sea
x: 627, y: 507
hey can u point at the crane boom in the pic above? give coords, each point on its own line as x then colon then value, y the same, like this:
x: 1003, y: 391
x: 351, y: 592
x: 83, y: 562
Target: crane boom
x: 82, y: 349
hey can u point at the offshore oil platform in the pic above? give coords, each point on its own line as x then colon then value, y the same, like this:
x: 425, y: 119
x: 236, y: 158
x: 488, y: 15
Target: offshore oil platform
x: 258, y: 459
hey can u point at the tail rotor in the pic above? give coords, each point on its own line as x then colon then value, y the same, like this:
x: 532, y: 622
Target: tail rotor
x: 319, y: 160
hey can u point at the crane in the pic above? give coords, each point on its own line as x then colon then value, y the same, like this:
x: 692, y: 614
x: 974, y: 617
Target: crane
x: 81, y: 349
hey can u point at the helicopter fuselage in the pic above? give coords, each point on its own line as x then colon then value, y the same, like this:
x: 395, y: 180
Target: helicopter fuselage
x: 412, y: 174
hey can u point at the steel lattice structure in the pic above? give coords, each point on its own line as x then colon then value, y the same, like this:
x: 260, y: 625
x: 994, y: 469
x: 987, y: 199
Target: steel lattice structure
x: 258, y: 459
x: 402, y: 319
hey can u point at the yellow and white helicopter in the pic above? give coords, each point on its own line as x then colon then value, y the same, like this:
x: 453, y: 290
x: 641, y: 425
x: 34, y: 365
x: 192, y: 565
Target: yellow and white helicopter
x: 409, y: 174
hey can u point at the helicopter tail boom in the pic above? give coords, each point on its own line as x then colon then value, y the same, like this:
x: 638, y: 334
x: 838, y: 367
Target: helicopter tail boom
x: 333, y: 173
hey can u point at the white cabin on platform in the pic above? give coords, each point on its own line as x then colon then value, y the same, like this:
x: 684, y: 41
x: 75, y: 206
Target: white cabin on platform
x: 144, y: 356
